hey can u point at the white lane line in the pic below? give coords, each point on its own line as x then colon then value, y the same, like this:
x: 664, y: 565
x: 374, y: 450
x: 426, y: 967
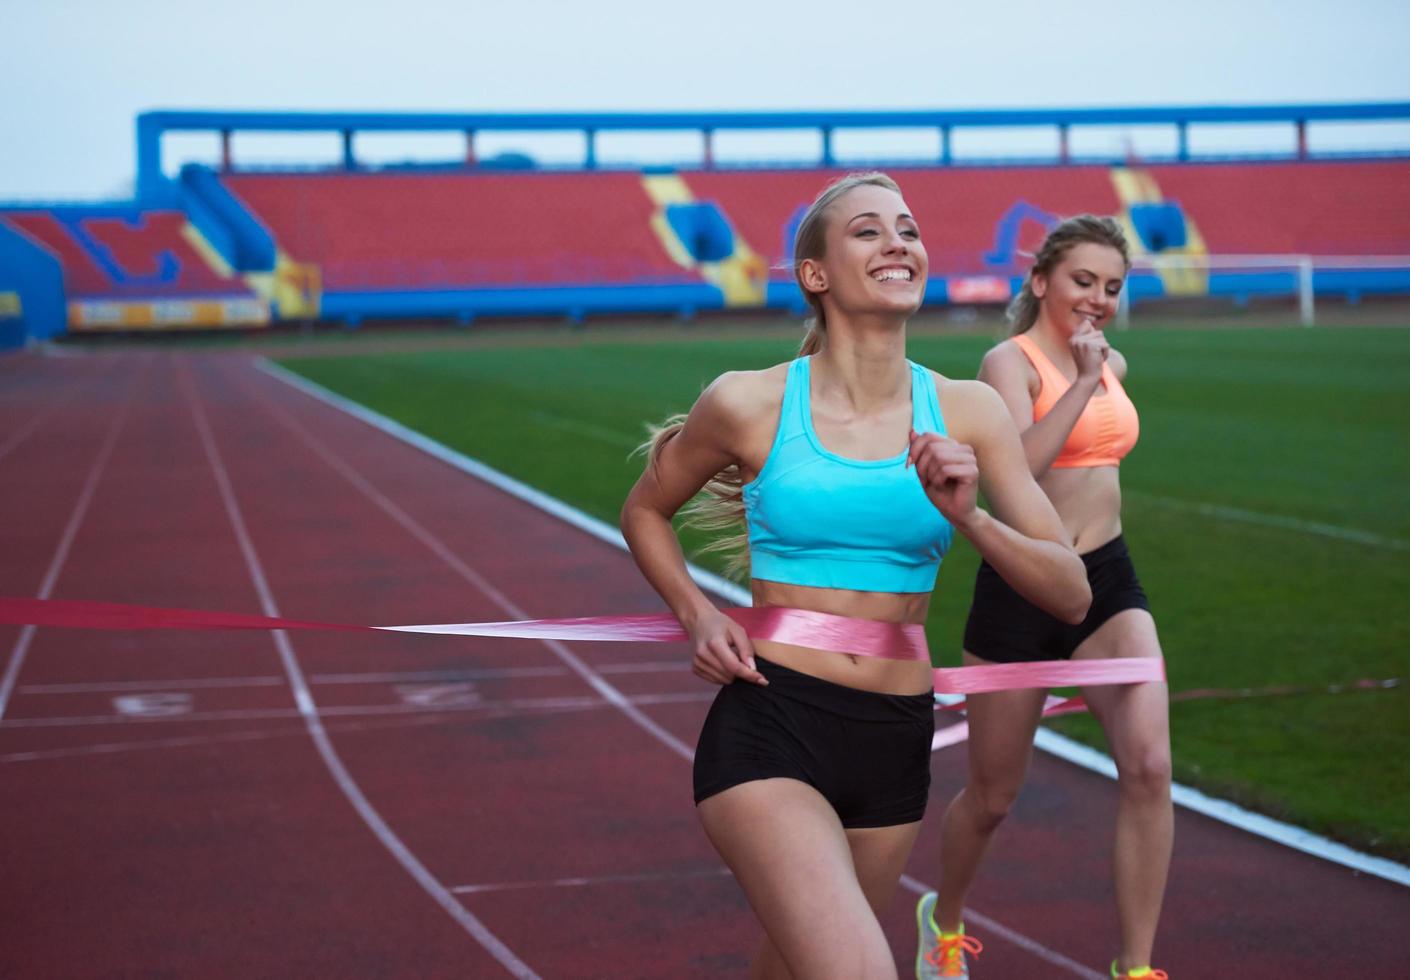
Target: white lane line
x: 1049, y: 741
x: 504, y: 886
x: 179, y: 684
x: 580, y: 702
x: 739, y: 596
x: 24, y: 431
x: 497, y: 673
x: 437, y: 547
x: 308, y: 708
x: 1276, y: 521
x: 995, y: 928
x: 61, y: 553
x: 1231, y: 813
x: 113, y: 748
x: 664, y: 667
x: 397, y: 677
x: 320, y: 680
x: 515, y: 488
x: 389, y: 677
x: 428, y: 719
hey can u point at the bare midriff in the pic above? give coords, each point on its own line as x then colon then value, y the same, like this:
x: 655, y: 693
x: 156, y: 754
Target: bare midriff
x: 863, y: 673
x: 1088, y: 502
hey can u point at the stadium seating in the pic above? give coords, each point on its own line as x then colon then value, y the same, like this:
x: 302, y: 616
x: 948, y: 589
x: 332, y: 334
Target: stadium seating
x: 1352, y: 207
x: 470, y: 242
x: 117, y: 255
x: 383, y: 231
x: 974, y: 220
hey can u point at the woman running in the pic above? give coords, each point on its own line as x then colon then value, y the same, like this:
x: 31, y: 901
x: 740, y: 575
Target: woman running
x: 851, y: 469
x: 1061, y: 381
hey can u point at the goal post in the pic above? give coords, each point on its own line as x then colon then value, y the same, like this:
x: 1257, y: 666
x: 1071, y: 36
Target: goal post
x: 1241, y: 278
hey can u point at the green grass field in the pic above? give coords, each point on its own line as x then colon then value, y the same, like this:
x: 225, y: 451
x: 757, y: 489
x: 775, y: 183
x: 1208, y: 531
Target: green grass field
x: 1266, y: 509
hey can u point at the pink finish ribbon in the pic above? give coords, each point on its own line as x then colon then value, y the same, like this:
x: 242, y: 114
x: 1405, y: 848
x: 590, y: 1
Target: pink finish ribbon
x: 796, y: 627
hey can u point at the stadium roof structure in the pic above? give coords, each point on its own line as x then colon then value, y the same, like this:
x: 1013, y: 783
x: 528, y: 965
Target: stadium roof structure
x: 152, y: 184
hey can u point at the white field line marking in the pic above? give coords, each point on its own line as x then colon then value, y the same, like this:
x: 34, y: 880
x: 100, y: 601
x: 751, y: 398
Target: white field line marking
x: 1017, y: 938
x: 1277, y: 521
x: 504, y: 886
x: 309, y: 710
x: 1051, y: 742
x: 597, y: 529
x: 61, y: 553
x: 601, y: 434
x: 515, y: 706
x: 437, y: 547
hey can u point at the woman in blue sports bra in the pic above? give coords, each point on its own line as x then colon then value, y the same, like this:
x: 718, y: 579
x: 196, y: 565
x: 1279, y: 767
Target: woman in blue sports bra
x: 851, y: 469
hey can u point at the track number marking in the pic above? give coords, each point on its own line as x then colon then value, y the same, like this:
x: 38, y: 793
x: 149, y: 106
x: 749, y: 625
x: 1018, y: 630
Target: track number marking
x: 157, y: 704
x: 457, y: 695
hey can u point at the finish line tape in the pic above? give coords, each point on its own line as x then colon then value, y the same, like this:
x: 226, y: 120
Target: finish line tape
x: 796, y: 627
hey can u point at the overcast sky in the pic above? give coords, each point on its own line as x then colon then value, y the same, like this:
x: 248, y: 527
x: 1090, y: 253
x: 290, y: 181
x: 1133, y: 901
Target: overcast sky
x: 76, y: 72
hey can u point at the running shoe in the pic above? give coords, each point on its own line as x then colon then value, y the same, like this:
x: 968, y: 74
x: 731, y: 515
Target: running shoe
x: 941, y: 954
x: 1140, y: 973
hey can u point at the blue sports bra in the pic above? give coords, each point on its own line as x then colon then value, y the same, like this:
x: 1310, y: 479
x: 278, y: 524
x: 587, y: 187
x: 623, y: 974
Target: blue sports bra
x: 819, y: 519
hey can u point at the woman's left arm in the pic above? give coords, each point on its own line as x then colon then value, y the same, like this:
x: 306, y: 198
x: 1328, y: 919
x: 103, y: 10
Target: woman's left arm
x: 1023, y: 539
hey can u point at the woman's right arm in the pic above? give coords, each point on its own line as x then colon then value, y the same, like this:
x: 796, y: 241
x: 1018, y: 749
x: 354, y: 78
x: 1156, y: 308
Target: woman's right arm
x: 1006, y: 370
x: 1024, y: 540
x: 704, y: 446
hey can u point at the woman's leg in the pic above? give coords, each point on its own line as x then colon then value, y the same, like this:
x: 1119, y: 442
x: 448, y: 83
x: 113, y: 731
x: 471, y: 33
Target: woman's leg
x: 1001, y: 727
x: 879, y: 855
x: 788, y: 850
x: 1136, y: 718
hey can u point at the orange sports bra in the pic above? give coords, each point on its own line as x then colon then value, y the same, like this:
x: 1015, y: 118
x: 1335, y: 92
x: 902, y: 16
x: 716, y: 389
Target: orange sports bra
x: 1107, y: 428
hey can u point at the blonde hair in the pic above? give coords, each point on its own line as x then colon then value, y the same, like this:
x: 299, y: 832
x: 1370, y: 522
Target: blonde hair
x: 719, y: 507
x: 1084, y: 229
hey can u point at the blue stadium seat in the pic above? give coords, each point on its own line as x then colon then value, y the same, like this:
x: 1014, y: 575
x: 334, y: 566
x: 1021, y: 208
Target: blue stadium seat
x: 1161, y: 226
x: 702, y: 229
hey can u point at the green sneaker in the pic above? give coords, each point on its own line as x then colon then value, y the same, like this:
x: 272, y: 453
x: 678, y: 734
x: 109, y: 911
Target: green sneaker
x: 941, y: 954
x: 1140, y: 973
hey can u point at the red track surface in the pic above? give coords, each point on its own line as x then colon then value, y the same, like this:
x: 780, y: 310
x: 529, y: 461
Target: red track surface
x: 491, y: 801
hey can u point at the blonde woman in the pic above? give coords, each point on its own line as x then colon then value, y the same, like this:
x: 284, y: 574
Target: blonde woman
x: 1061, y: 381
x: 850, y: 469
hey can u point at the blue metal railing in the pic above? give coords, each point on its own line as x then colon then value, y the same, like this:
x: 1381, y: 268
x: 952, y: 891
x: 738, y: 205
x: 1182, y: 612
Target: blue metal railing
x: 154, y: 187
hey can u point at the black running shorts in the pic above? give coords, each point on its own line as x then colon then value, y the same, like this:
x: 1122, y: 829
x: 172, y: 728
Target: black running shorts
x: 868, y: 754
x: 1006, y: 628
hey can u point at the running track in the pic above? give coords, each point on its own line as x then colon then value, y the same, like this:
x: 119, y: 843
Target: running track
x: 347, y: 805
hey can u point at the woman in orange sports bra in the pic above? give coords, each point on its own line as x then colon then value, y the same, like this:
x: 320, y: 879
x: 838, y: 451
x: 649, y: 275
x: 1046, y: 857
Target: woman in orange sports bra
x: 1061, y: 381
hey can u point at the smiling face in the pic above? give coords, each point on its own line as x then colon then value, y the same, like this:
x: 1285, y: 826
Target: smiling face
x: 874, y: 261
x: 1084, y: 286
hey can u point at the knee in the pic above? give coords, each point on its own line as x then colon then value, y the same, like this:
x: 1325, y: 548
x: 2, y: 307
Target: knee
x: 990, y: 803
x: 1146, y: 776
